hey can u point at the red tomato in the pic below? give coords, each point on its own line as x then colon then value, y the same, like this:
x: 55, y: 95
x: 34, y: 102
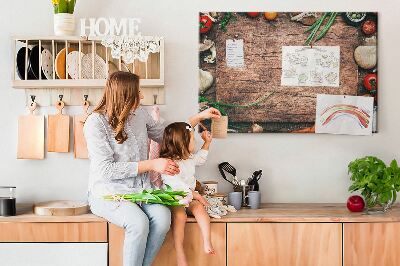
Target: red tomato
x: 355, y: 203
x: 371, y: 82
x: 205, y: 24
x: 369, y: 27
x: 253, y: 14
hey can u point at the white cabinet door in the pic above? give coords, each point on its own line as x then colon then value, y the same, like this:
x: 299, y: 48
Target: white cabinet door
x: 53, y: 254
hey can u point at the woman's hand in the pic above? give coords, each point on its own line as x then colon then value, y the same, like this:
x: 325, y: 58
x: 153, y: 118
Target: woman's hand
x: 165, y: 166
x: 200, y: 198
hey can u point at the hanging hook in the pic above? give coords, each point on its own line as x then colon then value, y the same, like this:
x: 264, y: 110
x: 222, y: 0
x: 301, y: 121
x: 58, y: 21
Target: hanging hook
x: 86, y: 97
x: 33, y: 97
x: 61, y: 97
x: 155, y: 98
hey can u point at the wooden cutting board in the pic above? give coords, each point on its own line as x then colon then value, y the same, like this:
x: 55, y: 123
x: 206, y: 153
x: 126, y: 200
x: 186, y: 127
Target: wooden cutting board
x: 58, y: 131
x: 61, y: 208
x: 80, y: 149
x: 31, y: 135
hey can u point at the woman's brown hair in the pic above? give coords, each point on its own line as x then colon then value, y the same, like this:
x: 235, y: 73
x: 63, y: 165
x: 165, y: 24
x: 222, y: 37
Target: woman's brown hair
x: 176, y: 140
x: 120, y: 97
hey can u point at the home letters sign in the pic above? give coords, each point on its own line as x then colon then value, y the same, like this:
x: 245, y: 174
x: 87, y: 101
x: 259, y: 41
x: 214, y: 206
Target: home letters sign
x: 109, y: 26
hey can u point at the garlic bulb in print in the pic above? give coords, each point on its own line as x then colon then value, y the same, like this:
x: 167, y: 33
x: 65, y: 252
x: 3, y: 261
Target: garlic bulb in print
x: 256, y: 128
x: 206, y: 80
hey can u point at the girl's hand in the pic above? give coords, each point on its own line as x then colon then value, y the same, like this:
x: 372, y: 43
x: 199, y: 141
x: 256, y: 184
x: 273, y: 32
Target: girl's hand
x: 165, y: 166
x: 210, y: 113
x: 200, y: 198
x: 206, y: 136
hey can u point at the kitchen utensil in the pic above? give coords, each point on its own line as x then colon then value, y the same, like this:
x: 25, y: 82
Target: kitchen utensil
x: 99, y: 67
x: 80, y: 149
x: 61, y: 208
x: 210, y: 187
x: 7, y: 201
x: 31, y: 135
x: 254, y: 199
x: 253, y: 180
x: 73, y: 64
x: 61, y: 62
x: 245, y: 189
x: 219, y: 127
x: 225, y: 166
x: 21, y: 56
x: 58, y: 130
x: 47, y: 64
x: 34, y: 68
x: 235, y: 199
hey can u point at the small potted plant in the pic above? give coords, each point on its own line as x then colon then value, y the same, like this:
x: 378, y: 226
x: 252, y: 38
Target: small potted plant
x: 64, y: 20
x: 376, y: 182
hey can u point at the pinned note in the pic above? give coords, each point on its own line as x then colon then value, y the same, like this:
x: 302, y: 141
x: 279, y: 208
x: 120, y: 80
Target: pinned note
x: 234, y: 53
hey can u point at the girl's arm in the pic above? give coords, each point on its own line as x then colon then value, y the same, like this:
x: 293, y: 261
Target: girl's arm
x: 200, y: 157
x: 206, y: 114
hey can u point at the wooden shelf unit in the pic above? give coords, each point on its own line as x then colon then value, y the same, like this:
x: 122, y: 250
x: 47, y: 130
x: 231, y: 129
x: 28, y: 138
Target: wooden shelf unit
x: 151, y: 72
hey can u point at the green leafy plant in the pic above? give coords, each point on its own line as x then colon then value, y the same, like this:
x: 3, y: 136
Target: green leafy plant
x: 64, y: 6
x: 167, y: 197
x: 377, y: 182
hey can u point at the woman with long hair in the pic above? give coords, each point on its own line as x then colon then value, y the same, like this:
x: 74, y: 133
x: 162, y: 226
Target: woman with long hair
x: 116, y: 134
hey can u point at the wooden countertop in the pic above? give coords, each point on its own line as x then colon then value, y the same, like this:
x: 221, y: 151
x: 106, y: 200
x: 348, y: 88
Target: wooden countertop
x: 274, y: 212
x: 307, y: 212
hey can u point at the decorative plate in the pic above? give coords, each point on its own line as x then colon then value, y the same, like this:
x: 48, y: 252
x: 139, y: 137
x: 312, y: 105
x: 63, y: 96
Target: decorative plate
x: 99, y: 67
x: 47, y: 64
x: 61, y: 64
x: 34, y: 62
x: 73, y: 64
x: 20, y: 67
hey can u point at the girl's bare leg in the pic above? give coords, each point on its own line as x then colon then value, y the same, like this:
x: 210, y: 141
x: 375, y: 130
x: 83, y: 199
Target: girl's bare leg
x: 178, y: 230
x: 203, y: 220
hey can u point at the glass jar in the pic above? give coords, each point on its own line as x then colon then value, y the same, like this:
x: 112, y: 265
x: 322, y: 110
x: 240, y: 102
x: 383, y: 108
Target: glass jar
x: 7, y: 201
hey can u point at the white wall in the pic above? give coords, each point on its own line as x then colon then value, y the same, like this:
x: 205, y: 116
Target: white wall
x: 297, y: 167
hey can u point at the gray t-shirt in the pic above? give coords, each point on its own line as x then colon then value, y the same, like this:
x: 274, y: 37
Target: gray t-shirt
x: 113, y: 166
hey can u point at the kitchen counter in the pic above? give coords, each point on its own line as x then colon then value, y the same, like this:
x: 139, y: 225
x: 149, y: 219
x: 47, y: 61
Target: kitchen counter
x: 272, y: 212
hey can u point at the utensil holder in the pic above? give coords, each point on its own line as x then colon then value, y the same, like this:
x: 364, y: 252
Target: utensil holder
x: 245, y: 193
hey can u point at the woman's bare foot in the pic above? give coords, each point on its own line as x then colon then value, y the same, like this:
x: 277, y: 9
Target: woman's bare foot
x: 208, y: 248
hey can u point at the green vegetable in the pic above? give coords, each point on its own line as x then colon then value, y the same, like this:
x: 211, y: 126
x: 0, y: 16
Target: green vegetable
x: 316, y: 28
x: 327, y: 26
x: 377, y: 182
x: 228, y: 16
x: 165, y: 197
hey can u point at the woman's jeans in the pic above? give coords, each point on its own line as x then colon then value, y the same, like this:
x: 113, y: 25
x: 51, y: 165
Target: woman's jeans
x: 145, y: 227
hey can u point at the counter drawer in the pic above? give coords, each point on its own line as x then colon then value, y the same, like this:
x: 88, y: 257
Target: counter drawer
x: 53, y: 232
x: 50, y: 254
x: 284, y: 244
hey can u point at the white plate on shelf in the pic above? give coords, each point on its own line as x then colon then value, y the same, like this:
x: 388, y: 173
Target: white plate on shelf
x: 73, y: 64
x: 47, y: 64
x: 100, y: 67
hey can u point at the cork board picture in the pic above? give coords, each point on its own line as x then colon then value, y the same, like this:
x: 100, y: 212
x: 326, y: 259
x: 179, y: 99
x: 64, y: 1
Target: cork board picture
x: 264, y: 70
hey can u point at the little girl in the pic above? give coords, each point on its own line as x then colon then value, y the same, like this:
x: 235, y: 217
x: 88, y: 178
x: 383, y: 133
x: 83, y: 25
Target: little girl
x: 178, y: 144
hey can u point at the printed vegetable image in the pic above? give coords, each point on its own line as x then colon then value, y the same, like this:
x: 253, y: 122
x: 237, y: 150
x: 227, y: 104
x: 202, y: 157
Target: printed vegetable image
x: 166, y: 197
x: 270, y: 15
x: 371, y: 82
x: 314, y: 28
x: 253, y: 14
x: 369, y: 27
x: 205, y: 24
x: 332, y: 112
